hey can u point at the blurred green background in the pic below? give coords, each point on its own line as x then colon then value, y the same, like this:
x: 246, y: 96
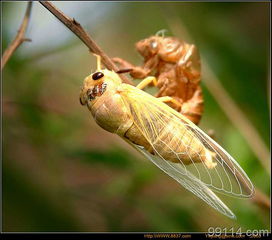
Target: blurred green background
x: 62, y: 172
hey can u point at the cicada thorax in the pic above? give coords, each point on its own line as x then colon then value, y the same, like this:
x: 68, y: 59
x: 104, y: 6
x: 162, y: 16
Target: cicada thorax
x: 111, y: 114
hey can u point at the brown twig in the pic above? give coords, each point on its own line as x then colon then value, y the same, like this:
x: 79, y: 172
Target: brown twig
x: 261, y: 199
x: 20, y: 37
x: 78, y: 30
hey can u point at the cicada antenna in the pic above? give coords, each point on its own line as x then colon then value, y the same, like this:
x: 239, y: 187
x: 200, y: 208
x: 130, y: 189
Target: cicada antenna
x: 98, y: 62
x: 161, y: 33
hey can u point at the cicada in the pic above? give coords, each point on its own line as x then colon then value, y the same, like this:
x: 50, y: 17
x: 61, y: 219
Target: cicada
x: 164, y: 136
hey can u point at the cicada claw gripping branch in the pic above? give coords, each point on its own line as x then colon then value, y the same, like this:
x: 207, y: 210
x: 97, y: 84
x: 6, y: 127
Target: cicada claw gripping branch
x: 164, y: 136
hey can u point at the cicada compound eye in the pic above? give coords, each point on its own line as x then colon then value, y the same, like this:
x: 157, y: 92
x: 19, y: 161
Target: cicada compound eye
x: 97, y: 75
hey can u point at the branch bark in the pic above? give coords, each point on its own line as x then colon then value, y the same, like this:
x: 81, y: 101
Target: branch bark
x: 79, y: 31
x: 19, y: 39
x: 261, y: 199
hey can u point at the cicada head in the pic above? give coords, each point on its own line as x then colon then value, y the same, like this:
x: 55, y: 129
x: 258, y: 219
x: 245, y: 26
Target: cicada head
x: 97, y: 83
x: 164, y: 47
x: 150, y: 46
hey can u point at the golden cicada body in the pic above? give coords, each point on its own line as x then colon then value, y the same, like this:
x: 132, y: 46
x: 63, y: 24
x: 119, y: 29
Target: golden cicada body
x: 166, y: 137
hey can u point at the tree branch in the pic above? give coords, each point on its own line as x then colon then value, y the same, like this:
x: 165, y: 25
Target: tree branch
x: 261, y: 199
x: 78, y: 30
x: 20, y: 37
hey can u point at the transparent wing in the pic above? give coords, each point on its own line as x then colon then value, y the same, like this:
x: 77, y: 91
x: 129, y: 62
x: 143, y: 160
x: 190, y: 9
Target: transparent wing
x: 154, y: 119
x: 194, y: 185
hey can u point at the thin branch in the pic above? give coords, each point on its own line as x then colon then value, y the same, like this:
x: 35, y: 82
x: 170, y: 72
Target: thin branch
x: 261, y: 199
x: 45, y: 53
x: 20, y: 37
x: 230, y: 108
x: 78, y: 30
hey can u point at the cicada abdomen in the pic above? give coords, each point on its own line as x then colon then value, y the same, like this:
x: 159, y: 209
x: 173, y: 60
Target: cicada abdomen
x: 172, y: 141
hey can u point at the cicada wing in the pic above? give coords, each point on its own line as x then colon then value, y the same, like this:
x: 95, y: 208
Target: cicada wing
x: 239, y: 183
x: 153, y: 118
x: 189, y: 182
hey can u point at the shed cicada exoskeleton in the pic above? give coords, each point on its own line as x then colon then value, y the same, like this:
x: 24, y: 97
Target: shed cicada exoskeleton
x: 176, y: 66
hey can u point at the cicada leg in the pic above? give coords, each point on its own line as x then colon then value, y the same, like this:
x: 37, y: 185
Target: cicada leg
x: 136, y: 72
x: 144, y: 83
x: 168, y: 99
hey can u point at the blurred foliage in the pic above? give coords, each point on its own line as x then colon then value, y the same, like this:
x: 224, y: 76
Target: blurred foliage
x: 61, y: 172
x: 122, y: 160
